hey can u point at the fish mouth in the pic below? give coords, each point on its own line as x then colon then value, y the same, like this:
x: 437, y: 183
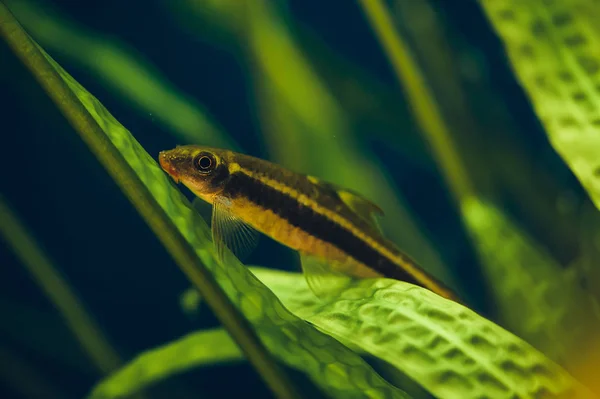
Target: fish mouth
x: 167, y: 166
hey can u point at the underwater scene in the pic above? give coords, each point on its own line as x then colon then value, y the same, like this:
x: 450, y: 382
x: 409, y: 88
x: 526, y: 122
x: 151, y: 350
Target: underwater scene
x: 300, y: 199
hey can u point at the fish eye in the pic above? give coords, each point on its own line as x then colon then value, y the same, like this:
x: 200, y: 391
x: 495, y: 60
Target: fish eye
x: 204, y: 162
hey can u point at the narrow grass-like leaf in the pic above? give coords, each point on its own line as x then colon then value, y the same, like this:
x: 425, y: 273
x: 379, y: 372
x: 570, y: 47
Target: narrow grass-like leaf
x: 337, y: 370
x: 447, y: 348
x: 554, y: 49
x: 21, y: 325
x: 196, y: 349
x: 23, y: 378
x: 307, y: 130
x: 130, y: 76
x: 425, y: 107
x: 43, y: 272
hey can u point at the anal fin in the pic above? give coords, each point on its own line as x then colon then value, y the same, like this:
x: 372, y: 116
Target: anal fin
x: 322, y: 277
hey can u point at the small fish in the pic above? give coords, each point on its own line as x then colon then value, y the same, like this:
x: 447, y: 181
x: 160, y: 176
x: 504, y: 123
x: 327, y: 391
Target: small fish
x: 333, y: 229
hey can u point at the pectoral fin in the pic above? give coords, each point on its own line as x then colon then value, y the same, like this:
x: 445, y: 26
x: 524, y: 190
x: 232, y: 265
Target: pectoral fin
x: 229, y: 232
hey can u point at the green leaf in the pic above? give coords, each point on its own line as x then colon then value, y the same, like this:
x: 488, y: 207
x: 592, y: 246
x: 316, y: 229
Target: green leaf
x: 447, y: 348
x: 133, y: 79
x: 292, y: 341
x: 196, y: 349
x: 307, y: 130
x: 43, y: 272
x: 537, y: 298
x: 336, y: 369
x: 553, y: 47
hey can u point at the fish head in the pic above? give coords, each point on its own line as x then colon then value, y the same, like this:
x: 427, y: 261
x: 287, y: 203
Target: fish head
x: 203, y: 170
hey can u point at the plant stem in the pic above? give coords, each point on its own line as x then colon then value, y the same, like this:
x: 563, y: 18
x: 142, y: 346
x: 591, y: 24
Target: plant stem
x: 58, y: 291
x: 427, y: 112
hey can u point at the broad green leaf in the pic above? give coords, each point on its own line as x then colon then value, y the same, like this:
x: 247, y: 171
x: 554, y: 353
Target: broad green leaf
x: 554, y: 49
x: 337, y: 370
x: 538, y: 299
x: 529, y: 285
x: 447, y: 348
x: 196, y: 349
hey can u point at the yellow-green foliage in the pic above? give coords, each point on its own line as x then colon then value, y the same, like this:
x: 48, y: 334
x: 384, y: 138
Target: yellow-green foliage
x: 444, y: 347
x: 554, y: 48
x: 448, y: 349
x: 287, y: 337
x: 128, y: 74
x: 196, y: 349
x: 537, y: 297
x: 305, y: 126
x: 39, y: 266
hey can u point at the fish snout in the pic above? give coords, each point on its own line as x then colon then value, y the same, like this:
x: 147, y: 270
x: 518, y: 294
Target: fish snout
x: 167, y: 164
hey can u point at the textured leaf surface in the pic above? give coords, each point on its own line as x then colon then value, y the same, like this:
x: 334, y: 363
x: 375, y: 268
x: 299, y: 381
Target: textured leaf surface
x: 554, y: 48
x: 339, y: 371
x: 447, y: 348
x: 450, y: 350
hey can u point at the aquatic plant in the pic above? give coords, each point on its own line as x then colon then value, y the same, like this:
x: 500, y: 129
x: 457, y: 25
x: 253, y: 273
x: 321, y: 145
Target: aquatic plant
x: 270, y: 318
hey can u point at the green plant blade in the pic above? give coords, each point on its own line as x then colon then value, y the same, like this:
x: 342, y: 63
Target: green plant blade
x: 194, y: 350
x: 534, y: 293
x: 553, y: 47
x: 83, y: 327
x: 447, y: 348
x: 131, y: 77
x: 538, y: 299
x: 328, y: 363
x: 450, y: 350
x: 306, y: 129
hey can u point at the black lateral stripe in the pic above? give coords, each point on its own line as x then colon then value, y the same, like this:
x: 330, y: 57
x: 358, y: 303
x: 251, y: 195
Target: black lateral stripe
x: 314, y: 224
x: 265, y: 168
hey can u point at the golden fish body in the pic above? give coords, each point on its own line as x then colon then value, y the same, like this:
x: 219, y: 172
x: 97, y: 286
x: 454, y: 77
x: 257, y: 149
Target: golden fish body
x: 317, y: 219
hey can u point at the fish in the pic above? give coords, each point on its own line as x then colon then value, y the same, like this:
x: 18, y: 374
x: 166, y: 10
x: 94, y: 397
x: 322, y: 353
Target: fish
x: 334, y: 229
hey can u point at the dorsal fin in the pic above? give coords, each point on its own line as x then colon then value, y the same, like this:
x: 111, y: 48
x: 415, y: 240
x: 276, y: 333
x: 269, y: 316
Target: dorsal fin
x: 360, y: 205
